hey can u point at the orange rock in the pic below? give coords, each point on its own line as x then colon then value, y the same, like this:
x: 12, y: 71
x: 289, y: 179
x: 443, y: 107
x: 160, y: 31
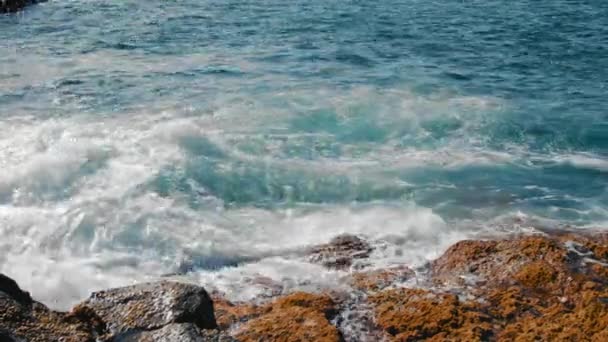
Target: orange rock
x: 380, y: 279
x: 507, y: 304
x: 228, y: 314
x: 296, y: 317
x: 584, y: 319
x: 547, y: 288
x: 497, y: 261
x: 538, y: 274
x: 416, y: 314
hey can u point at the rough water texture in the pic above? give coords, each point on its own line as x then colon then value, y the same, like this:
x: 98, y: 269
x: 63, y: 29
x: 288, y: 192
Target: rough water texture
x: 216, y: 142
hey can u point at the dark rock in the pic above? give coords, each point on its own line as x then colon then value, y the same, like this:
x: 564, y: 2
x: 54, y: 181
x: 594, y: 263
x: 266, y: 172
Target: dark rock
x: 7, y: 6
x: 6, y: 336
x: 152, y: 306
x: 340, y: 252
x: 10, y: 287
x: 22, y: 319
x: 186, y: 332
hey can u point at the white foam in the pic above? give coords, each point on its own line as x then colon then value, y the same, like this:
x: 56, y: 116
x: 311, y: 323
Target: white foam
x: 62, y: 255
x: 404, y: 235
x: 77, y: 213
x: 584, y: 161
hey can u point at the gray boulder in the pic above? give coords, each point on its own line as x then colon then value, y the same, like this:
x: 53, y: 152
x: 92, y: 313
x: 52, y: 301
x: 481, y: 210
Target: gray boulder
x: 152, y: 306
x: 185, y: 332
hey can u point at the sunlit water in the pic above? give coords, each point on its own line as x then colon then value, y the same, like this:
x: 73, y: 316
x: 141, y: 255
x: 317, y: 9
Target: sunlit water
x: 221, y: 138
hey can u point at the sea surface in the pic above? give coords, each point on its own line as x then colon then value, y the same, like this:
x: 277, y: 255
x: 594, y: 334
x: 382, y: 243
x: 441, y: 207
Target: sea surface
x: 216, y: 140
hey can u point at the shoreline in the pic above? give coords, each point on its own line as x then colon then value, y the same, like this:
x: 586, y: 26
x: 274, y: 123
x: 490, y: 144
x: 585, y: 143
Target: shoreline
x: 549, y: 286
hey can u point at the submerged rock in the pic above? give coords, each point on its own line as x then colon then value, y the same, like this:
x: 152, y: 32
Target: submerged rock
x: 340, y: 252
x: 7, y: 6
x: 152, y: 306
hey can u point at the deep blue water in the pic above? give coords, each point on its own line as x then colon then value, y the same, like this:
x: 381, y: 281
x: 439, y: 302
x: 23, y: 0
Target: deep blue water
x: 154, y: 127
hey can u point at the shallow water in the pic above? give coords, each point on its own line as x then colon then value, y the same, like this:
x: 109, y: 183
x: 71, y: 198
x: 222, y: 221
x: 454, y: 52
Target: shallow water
x: 223, y: 137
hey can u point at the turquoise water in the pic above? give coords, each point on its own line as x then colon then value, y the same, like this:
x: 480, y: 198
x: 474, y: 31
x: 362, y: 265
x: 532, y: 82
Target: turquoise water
x: 136, y: 137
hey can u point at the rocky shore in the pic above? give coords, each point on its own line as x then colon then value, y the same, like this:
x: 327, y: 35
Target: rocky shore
x: 549, y: 286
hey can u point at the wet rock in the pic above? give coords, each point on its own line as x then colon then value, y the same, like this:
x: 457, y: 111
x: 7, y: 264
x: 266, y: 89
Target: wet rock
x: 547, y: 263
x: 267, y: 286
x: 186, y: 332
x: 12, y: 290
x: 356, y: 319
x: 549, y: 287
x: 7, y: 6
x: 534, y: 261
x: 152, y: 306
x: 377, y: 280
x: 217, y: 336
x: 296, y: 317
x: 6, y: 336
x: 11, y: 5
x: 580, y: 318
x: 229, y: 314
x: 416, y: 314
x: 541, y: 287
x: 22, y: 319
x: 340, y: 252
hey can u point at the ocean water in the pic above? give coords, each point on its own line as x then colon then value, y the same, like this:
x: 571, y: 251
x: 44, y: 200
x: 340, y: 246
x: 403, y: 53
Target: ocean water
x: 218, y: 139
